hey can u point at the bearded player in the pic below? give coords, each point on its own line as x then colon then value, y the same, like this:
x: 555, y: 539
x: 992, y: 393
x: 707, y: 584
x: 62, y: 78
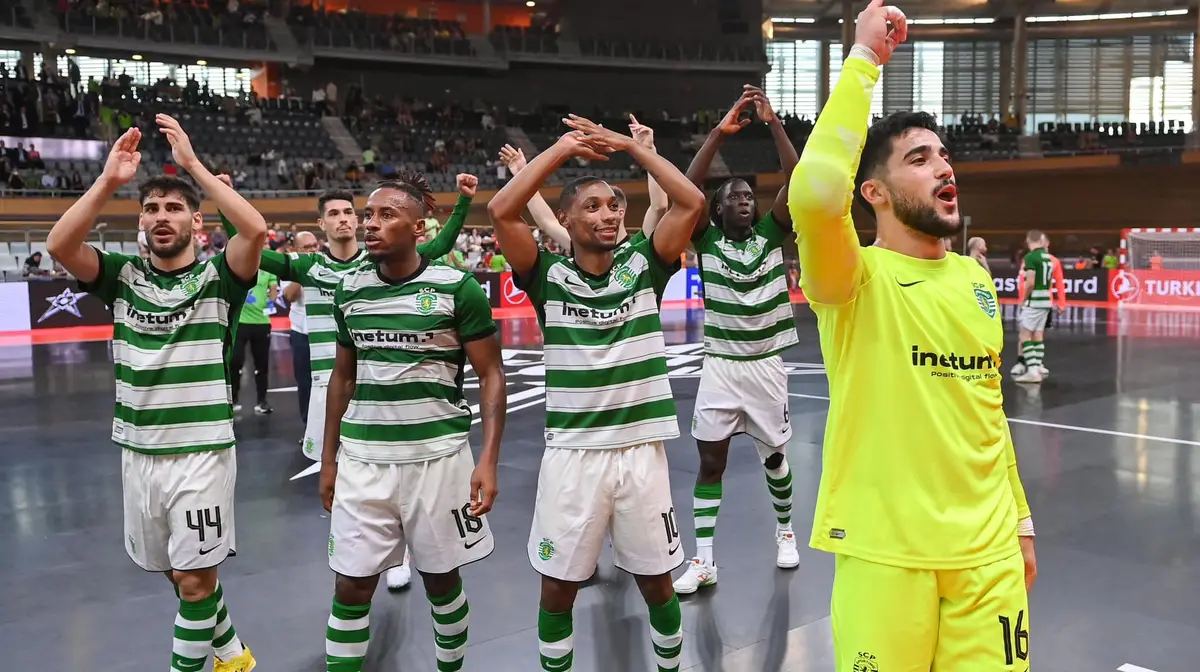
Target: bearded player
x: 173, y: 320
x: 404, y: 474
x: 920, y: 498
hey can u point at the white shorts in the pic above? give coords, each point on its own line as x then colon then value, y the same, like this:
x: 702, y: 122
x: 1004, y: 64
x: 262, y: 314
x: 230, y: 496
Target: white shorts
x: 743, y: 397
x: 378, y: 509
x: 584, y: 494
x: 314, y: 429
x: 179, y: 508
x: 1033, y: 319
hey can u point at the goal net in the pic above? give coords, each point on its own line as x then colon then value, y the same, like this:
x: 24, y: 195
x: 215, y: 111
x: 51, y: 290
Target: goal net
x: 1159, y: 268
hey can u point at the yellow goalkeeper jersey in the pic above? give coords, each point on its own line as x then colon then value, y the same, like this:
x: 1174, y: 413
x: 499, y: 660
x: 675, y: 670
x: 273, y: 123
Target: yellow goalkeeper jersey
x: 918, y: 465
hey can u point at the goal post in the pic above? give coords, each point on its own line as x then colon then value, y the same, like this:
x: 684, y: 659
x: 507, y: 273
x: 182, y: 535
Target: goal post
x: 1160, y: 268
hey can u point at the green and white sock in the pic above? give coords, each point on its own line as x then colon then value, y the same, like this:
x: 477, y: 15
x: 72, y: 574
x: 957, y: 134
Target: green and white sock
x: 779, y: 484
x: 666, y: 631
x: 450, y: 616
x: 555, y: 641
x: 705, y: 503
x: 226, y: 643
x: 347, y: 638
x: 1036, y: 354
x: 194, y: 626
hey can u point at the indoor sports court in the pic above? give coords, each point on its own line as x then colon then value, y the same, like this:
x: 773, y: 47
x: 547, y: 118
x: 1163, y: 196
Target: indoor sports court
x: 1106, y: 448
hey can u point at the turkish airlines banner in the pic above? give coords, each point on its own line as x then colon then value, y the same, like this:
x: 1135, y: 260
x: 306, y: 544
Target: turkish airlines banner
x: 1155, y: 288
x: 511, y: 296
x: 1082, y: 285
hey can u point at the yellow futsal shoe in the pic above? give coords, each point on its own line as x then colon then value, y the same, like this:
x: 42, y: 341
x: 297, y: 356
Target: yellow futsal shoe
x: 243, y: 662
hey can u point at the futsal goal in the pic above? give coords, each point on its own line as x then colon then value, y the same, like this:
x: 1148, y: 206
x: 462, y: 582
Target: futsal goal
x: 1159, y: 268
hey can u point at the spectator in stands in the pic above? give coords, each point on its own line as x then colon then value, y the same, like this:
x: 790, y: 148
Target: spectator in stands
x: 76, y: 183
x: 33, y: 266
x: 977, y: 248
x: 15, y: 181
x: 34, y: 158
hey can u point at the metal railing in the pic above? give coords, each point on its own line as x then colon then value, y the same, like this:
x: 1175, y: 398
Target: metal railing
x: 175, y: 32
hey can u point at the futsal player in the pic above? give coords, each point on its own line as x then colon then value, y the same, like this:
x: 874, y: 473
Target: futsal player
x: 546, y: 220
x: 748, y: 324
x: 254, y: 330
x: 920, y: 499
x: 608, y: 401
x: 172, y: 318
x: 405, y: 474
x: 319, y: 274
x: 1039, y: 269
x: 293, y: 293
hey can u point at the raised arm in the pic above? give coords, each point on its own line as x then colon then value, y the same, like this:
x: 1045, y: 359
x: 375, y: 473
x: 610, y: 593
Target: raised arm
x: 243, y: 253
x: 272, y: 262
x: 659, y: 202
x: 821, y: 189
x: 67, y: 240
x: 443, y: 243
x: 505, y: 207
x: 783, y: 144
x: 697, y: 171
x: 543, y: 215
x: 674, y: 232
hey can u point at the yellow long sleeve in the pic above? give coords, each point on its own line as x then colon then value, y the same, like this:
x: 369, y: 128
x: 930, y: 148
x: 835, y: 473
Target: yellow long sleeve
x: 821, y: 189
x: 1014, y: 477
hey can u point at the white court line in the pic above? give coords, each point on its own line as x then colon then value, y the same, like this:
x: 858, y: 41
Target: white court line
x: 1130, y: 667
x: 1055, y: 425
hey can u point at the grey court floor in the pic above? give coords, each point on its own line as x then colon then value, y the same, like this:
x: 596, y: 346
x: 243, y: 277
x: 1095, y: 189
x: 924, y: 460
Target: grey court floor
x: 1108, y: 449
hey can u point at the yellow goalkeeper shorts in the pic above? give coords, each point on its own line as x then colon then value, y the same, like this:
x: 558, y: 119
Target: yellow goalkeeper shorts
x: 893, y: 619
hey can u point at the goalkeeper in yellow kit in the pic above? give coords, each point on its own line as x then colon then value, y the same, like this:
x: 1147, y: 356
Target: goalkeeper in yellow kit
x: 920, y: 497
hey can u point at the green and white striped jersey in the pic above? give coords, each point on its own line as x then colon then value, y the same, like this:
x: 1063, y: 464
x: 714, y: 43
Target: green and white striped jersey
x: 409, y: 338
x: 747, y: 310
x: 606, y: 367
x: 1042, y: 265
x: 171, y: 334
x: 319, y: 274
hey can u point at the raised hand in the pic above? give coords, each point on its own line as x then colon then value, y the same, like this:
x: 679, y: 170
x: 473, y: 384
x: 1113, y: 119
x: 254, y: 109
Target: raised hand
x: 576, y: 143
x: 181, y: 145
x: 598, y: 135
x: 513, y: 158
x: 762, y: 106
x: 881, y: 28
x: 123, y: 159
x: 731, y: 123
x: 467, y: 184
x: 643, y: 135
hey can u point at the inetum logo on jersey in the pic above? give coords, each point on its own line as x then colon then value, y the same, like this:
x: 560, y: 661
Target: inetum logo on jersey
x: 954, y: 365
x: 593, y: 316
x: 390, y: 339
x: 157, y: 321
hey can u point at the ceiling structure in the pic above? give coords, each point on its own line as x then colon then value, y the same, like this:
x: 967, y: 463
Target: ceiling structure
x: 968, y: 9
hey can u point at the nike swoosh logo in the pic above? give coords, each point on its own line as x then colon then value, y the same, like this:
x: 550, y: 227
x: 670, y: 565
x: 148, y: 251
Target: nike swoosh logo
x: 673, y: 551
x: 556, y: 666
x: 472, y: 544
x: 206, y: 552
x: 909, y: 284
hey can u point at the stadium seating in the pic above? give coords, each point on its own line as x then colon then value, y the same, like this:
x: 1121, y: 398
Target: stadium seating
x: 178, y: 23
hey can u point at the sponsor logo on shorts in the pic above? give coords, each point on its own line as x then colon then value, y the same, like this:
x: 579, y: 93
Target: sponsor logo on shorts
x: 473, y: 544
x: 132, y: 545
x: 545, y: 549
x: 865, y: 663
x: 308, y: 447
x: 206, y: 551
x: 835, y: 533
x: 331, y: 545
x: 985, y: 299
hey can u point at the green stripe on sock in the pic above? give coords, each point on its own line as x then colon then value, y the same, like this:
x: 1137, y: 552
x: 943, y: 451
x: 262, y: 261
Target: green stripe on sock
x: 707, y: 491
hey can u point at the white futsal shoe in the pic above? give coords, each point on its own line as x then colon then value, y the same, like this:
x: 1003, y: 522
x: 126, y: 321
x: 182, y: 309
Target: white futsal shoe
x: 697, y: 576
x: 788, y: 556
x: 398, y: 578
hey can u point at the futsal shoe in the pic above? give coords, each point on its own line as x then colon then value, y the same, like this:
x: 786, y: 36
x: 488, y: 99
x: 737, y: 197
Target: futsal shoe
x: 1033, y: 375
x: 263, y: 409
x: 398, y: 578
x: 243, y: 662
x: 788, y: 557
x: 1045, y: 371
x: 1018, y: 369
x: 697, y: 576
